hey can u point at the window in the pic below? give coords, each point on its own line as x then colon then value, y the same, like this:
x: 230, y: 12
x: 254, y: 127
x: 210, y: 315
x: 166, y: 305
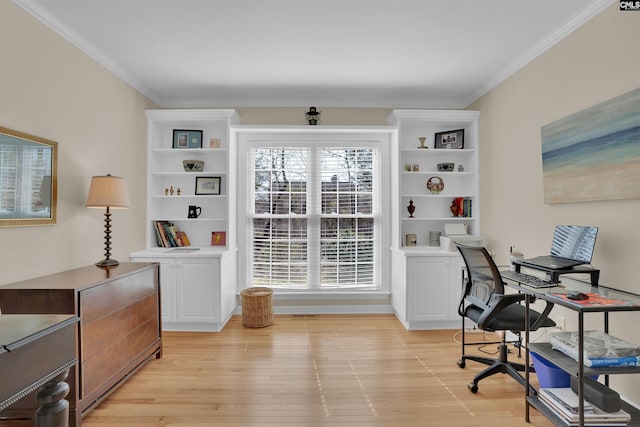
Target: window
x: 314, y: 217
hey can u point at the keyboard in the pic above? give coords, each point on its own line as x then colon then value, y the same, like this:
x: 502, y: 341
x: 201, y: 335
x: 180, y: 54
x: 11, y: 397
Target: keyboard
x: 526, y: 279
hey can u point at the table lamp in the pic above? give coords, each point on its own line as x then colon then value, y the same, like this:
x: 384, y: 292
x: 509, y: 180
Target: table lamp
x: 108, y: 192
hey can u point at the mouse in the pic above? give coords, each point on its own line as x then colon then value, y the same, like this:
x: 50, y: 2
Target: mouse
x: 577, y: 296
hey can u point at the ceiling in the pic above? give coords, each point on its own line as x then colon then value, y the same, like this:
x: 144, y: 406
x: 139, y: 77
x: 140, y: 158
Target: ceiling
x: 351, y: 53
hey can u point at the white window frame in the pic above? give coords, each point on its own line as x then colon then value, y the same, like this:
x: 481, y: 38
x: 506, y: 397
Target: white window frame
x: 252, y: 137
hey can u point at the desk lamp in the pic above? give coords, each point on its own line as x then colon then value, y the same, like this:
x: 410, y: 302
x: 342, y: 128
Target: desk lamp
x: 108, y: 192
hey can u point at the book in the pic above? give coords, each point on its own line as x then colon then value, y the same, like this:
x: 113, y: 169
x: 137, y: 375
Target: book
x: 466, y: 208
x: 565, y: 403
x: 183, y: 250
x: 184, y: 238
x: 169, y: 235
x: 159, y: 240
x: 161, y: 234
x: 600, y: 349
x: 167, y: 232
x: 175, y: 235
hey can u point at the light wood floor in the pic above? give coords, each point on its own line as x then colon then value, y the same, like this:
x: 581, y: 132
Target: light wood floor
x: 304, y: 371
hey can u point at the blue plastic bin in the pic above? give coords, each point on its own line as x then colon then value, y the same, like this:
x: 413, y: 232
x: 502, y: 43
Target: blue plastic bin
x: 549, y: 375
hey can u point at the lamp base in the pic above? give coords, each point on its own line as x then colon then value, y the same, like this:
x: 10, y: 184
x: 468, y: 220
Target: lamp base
x: 107, y: 262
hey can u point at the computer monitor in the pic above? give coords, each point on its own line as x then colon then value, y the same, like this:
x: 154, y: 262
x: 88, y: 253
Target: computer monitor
x: 574, y: 242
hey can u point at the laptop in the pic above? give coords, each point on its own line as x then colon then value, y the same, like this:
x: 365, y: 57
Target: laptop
x: 572, y: 245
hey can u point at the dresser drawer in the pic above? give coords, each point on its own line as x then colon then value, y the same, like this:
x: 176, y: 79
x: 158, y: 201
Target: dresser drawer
x: 99, y: 301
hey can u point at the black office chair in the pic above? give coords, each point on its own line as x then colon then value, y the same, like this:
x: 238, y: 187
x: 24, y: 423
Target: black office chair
x: 484, y: 302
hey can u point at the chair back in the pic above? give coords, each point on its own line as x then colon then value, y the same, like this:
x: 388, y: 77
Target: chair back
x: 483, y: 278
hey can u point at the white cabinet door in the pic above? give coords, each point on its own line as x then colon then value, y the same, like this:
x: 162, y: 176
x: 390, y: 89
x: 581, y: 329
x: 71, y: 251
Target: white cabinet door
x: 189, y: 292
x: 426, y: 296
x: 197, y: 290
x: 430, y: 299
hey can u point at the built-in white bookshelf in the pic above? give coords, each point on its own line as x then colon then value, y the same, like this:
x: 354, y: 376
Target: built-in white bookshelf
x: 418, y: 167
x: 171, y: 189
x: 198, y: 281
x: 426, y: 278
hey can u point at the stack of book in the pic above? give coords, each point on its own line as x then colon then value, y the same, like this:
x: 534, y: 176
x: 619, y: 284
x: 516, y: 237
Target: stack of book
x: 600, y: 349
x: 169, y: 235
x: 564, y: 403
x: 461, y: 207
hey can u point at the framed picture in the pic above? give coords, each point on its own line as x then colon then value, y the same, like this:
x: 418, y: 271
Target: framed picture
x: 207, y: 185
x: 218, y: 238
x: 184, y: 138
x: 450, y: 139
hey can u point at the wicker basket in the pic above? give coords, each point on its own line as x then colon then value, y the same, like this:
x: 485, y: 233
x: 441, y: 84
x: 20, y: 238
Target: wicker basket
x: 257, y: 307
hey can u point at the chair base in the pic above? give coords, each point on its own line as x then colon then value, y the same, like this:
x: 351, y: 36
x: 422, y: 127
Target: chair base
x: 496, y: 366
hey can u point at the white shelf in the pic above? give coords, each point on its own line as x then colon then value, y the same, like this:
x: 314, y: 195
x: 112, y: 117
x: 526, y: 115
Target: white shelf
x: 435, y: 196
x: 203, y: 173
x: 189, y: 196
x: 200, y: 219
x: 182, y: 151
x: 437, y: 151
x: 166, y: 171
x: 452, y: 218
x: 436, y: 172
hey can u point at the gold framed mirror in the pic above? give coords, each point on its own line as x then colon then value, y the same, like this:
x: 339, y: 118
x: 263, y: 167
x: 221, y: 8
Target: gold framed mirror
x: 28, y: 179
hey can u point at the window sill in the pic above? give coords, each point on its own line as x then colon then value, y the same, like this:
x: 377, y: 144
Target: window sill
x: 293, y: 295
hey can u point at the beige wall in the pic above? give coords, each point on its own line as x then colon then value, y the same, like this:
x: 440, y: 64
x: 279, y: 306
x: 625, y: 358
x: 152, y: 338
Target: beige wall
x: 51, y: 89
x: 328, y: 116
x: 597, y: 62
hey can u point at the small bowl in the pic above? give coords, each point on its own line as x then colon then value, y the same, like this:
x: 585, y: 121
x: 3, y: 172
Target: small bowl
x: 193, y: 165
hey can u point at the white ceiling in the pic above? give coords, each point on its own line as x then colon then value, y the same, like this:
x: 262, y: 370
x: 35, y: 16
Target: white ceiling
x: 357, y: 53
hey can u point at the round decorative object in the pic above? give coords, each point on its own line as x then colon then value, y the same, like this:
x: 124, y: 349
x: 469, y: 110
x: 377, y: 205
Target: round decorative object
x: 435, y: 184
x: 193, y: 165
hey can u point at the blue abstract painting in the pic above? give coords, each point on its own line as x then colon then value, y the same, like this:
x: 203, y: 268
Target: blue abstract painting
x: 594, y: 154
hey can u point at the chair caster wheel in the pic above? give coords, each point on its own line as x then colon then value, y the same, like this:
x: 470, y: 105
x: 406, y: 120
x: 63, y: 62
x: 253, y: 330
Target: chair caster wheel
x: 473, y: 387
x: 461, y: 364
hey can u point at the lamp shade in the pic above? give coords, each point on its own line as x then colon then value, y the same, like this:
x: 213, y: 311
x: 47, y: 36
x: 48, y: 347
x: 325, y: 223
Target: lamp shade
x: 108, y: 192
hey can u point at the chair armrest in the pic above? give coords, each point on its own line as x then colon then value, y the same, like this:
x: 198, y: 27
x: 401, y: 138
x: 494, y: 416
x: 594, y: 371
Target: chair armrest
x: 463, y: 296
x: 543, y: 316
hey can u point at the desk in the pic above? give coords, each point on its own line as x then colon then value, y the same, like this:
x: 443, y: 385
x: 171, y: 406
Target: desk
x: 36, y: 352
x: 627, y: 302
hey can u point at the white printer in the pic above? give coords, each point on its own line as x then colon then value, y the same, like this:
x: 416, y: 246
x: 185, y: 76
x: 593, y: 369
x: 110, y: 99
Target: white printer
x: 458, y: 233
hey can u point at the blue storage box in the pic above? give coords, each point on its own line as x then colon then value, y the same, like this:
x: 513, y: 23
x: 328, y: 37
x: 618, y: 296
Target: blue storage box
x: 549, y: 375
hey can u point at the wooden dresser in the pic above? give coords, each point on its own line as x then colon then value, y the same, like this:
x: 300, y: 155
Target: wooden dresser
x: 119, y: 329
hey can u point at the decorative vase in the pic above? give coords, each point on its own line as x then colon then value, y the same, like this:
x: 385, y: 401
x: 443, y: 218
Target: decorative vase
x: 435, y: 184
x: 411, y: 208
x: 422, y: 140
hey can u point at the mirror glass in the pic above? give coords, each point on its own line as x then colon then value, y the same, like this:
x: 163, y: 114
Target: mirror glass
x: 28, y: 179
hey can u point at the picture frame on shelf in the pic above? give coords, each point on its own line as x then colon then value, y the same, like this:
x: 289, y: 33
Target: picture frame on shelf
x: 187, y: 138
x: 208, y: 185
x: 452, y: 139
x: 218, y: 238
